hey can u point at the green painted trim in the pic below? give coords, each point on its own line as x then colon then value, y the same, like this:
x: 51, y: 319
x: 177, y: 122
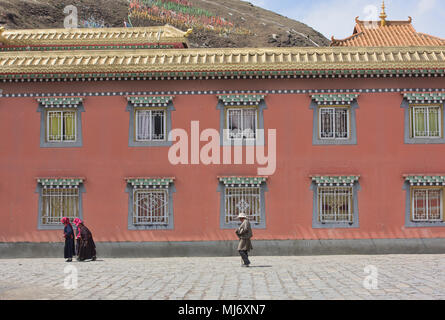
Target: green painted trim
x: 334, y: 98
x: 242, y: 180
x: 335, y: 180
x: 151, y: 100
x: 54, y: 101
x: 424, y: 97
x: 241, y: 99
x: 60, y: 182
x: 150, y: 181
x: 426, y: 180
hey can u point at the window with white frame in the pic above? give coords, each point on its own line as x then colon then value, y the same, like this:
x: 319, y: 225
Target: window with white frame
x: 242, y: 123
x: 242, y: 199
x: 335, y: 204
x: 427, y: 205
x: 61, y: 126
x: 334, y: 123
x: 150, y: 207
x: 150, y: 125
x: 426, y: 121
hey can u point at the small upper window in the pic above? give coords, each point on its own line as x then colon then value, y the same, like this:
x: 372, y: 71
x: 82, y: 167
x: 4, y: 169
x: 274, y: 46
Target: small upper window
x: 61, y: 124
x: 150, y: 125
x: 242, y: 123
x: 426, y: 121
x: 334, y: 120
x: 423, y: 117
x: 150, y: 120
x: 334, y: 123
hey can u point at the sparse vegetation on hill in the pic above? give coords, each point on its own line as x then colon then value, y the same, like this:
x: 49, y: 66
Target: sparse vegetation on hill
x: 216, y: 24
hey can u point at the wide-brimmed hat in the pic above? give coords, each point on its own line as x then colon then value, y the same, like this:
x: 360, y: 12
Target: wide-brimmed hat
x: 242, y: 215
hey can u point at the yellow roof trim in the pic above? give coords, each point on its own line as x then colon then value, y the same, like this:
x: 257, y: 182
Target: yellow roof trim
x: 99, y: 36
x: 190, y: 60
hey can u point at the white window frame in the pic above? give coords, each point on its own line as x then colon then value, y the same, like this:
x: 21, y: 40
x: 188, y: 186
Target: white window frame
x: 235, y: 203
x: 413, y: 205
x: 54, y: 195
x: 242, y: 110
x: 150, y: 215
x: 150, y: 129
x: 427, y: 109
x: 321, y: 194
x: 334, y: 109
x: 61, y: 128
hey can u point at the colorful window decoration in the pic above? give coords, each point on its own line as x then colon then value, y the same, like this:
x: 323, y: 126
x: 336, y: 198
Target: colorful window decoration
x: 179, y: 13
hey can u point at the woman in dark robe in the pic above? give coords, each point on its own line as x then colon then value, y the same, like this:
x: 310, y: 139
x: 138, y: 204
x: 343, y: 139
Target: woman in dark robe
x: 87, y: 249
x: 68, y: 233
x: 77, y: 221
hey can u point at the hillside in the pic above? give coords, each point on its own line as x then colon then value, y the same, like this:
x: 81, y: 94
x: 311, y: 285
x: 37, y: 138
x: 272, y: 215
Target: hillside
x: 252, y: 26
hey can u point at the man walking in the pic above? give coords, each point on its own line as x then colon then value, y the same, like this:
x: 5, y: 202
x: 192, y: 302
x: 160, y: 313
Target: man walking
x: 244, y: 233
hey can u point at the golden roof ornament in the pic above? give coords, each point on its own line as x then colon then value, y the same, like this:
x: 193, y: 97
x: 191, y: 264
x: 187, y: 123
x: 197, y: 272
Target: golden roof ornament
x: 2, y: 37
x: 383, y: 15
x: 188, y: 33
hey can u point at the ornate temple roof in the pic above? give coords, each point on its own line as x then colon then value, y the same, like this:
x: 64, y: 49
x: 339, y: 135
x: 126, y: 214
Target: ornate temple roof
x: 386, y: 33
x: 96, y: 38
x: 263, y: 61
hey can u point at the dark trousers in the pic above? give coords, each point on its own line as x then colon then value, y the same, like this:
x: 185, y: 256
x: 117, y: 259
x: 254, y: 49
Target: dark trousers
x: 245, y: 256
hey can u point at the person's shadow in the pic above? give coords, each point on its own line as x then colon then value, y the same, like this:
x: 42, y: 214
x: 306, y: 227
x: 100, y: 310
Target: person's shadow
x: 260, y: 266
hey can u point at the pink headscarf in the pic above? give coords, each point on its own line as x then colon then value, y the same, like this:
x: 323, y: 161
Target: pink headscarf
x: 65, y: 220
x: 77, y: 221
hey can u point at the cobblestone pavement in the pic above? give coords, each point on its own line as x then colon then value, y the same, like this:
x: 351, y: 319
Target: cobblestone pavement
x: 269, y: 278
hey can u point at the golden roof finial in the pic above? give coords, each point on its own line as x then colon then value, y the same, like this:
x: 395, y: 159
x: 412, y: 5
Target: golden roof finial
x: 383, y: 15
x: 188, y: 33
x: 3, y: 40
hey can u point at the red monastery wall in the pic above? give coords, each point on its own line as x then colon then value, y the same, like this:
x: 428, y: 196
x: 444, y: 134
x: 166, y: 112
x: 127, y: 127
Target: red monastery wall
x: 380, y: 158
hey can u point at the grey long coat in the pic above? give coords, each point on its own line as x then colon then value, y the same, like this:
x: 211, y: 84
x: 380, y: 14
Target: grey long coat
x: 244, y: 233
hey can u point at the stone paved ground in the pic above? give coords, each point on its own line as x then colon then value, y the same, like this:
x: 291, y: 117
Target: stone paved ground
x: 269, y: 278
